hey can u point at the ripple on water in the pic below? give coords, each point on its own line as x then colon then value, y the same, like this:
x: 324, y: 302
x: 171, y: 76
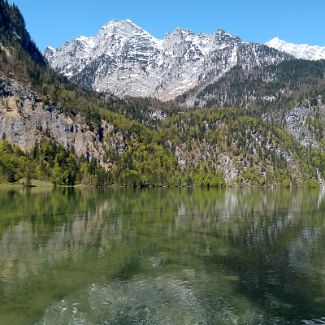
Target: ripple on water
x: 162, y: 300
x: 320, y: 321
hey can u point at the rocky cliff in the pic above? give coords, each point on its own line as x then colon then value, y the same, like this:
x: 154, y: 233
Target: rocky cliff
x: 26, y: 120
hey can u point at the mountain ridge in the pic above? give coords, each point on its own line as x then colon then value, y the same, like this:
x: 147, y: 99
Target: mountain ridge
x: 125, y: 60
x: 299, y: 51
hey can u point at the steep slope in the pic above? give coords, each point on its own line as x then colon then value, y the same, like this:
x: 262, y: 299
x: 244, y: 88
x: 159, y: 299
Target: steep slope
x: 260, y: 86
x: 13, y: 32
x: 126, y: 60
x: 290, y: 95
x: 299, y: 51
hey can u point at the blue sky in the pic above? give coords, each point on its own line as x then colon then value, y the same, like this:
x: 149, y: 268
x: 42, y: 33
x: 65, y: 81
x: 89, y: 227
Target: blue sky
x: 52, y: 22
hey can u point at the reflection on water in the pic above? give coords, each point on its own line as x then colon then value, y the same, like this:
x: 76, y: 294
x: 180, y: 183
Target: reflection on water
x: 162, y: 256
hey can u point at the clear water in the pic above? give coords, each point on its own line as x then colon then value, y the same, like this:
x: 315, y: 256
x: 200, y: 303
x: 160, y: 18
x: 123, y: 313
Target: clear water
x: 162, y: 256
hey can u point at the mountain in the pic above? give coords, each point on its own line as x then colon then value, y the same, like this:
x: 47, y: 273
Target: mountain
x: 123, y: 59
x: 55, y: 130
x: 299, y: 51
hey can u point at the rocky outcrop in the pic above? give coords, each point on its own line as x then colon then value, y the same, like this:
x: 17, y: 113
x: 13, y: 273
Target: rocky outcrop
x: 305, y: 124
x: 25, y: 120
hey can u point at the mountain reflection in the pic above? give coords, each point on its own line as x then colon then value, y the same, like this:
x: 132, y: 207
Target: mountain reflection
x: 266, y: 247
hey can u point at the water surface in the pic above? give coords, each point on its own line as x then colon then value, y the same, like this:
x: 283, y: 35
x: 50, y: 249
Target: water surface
x: 161, y: 256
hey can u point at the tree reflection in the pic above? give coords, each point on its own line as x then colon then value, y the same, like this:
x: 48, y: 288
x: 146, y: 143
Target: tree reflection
x: 263, y: 249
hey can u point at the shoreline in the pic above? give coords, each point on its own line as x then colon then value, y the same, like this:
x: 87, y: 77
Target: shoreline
x: 44, y: 184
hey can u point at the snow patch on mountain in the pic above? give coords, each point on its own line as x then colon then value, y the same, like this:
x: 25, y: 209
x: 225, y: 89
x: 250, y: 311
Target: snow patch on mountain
x: 300, y: 51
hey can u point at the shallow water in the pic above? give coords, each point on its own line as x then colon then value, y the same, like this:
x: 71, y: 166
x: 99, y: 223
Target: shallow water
x: 162, y: 256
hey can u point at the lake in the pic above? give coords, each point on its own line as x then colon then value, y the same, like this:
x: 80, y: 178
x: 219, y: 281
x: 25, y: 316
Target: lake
x: 162, y: 256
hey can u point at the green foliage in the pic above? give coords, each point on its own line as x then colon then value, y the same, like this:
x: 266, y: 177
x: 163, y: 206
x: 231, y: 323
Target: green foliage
x: 317, y: 160
x: 263, y: 154
x: 206, y: 176
x: 13, y: 164
x: 253, y: 177
x: 143, y: 165
x: 48, y: 161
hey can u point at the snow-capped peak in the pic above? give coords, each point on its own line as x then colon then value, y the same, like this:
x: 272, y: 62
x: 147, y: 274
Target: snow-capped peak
x: 121, y: 26
x: 222, y: 32
x: 49, y: 52
x: 50, y: 48
x: 124, y: 59
x: 126, y: 29
x: 300, y: 51
x: 81, y: 38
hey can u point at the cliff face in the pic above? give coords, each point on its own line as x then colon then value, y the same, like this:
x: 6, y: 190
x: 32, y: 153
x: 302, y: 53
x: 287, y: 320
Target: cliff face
x: 26, y: 120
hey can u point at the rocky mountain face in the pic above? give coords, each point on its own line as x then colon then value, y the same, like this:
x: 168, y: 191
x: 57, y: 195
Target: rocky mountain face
x: 126, y: 60
x: 26, y: 120
x: 299, y: 51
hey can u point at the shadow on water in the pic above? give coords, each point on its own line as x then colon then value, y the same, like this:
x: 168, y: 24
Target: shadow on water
x: 161, y: 256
